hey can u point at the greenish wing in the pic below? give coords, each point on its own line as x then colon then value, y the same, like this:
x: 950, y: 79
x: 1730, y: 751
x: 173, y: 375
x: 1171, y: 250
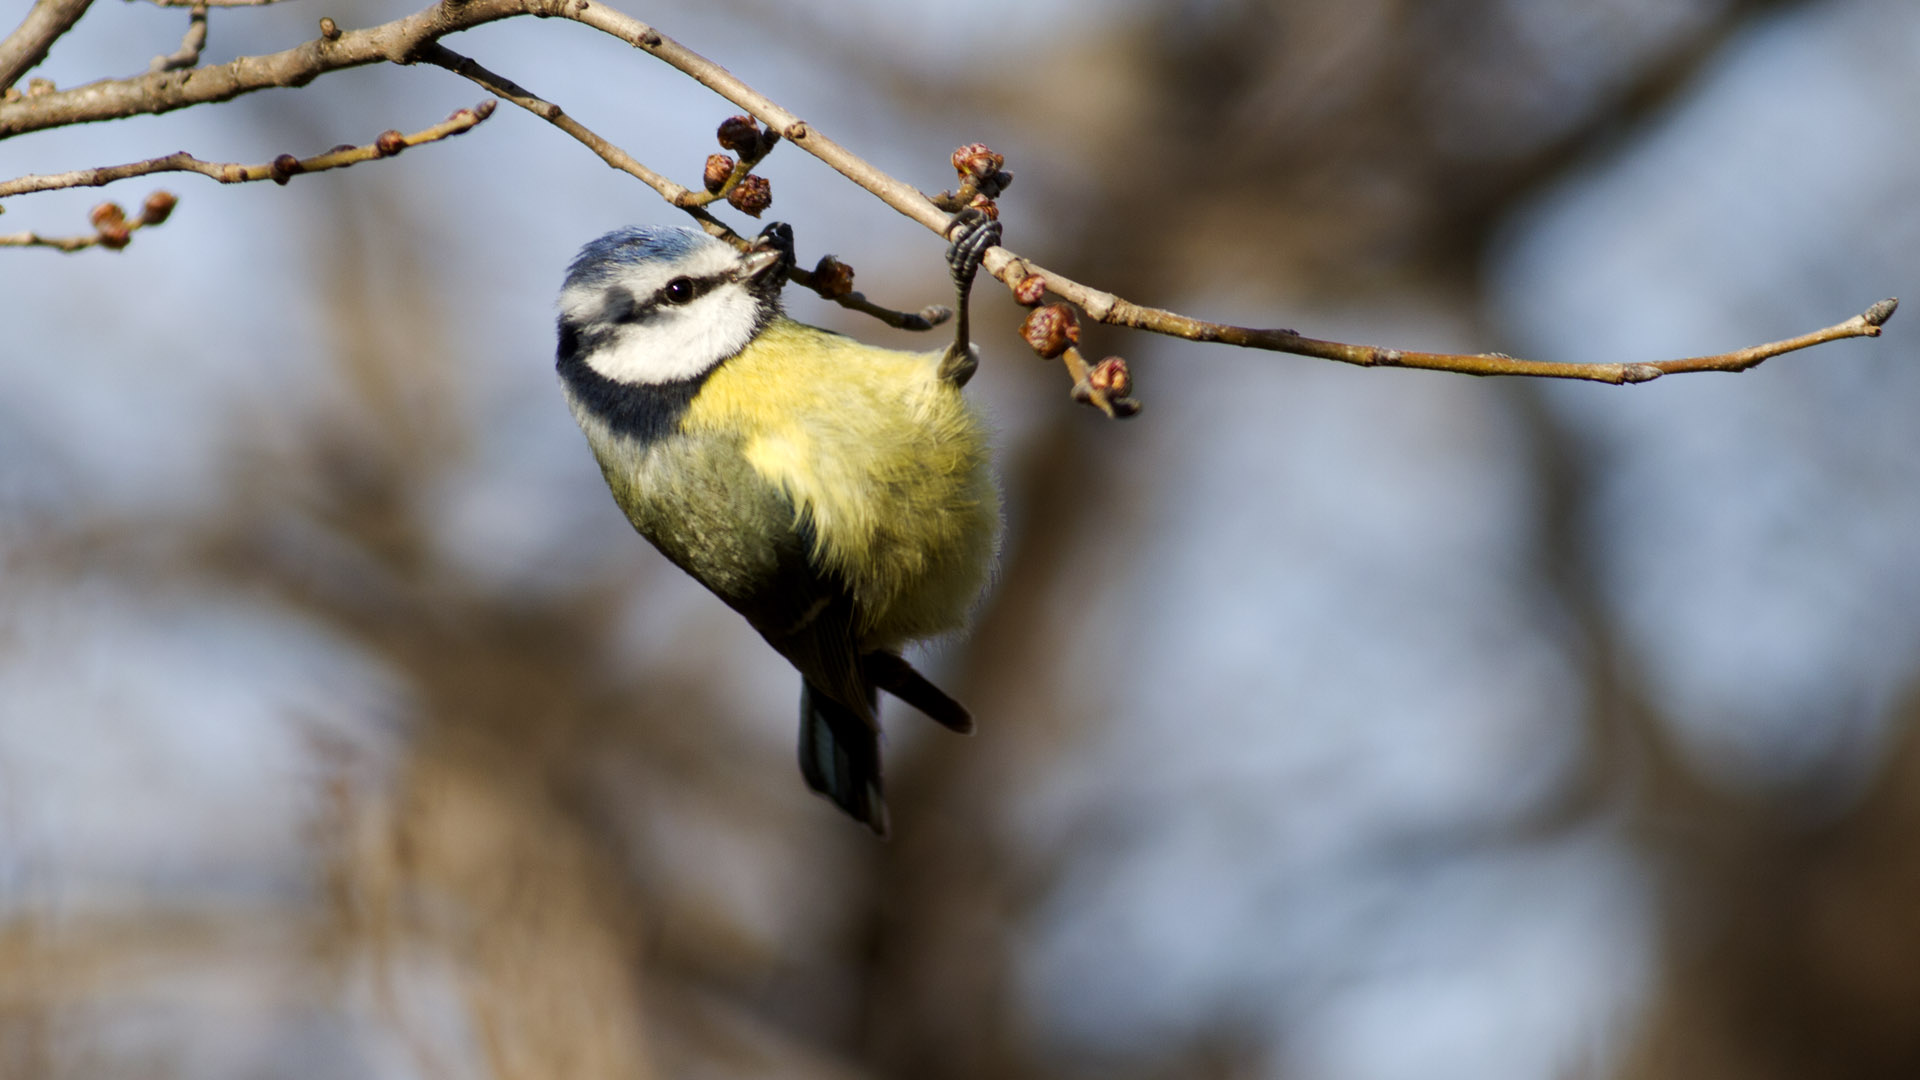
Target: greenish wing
x: 710, y: 512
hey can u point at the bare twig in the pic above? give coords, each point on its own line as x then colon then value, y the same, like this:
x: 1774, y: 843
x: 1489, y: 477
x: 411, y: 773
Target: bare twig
x: 1108, y: 308
x: 61, y: 243
x: 111, y: 229
x: 189, y: 52
x: 414, y: 38
x: 279, y: 170
x: 28, y: 44
x: 507, y: 89
x: 832, y: 280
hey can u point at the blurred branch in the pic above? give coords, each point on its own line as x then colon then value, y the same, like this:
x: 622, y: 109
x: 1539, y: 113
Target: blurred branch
x: 279, y: 170
x: 415, y: 38
x: 189, y: 52
x: 28, y: 44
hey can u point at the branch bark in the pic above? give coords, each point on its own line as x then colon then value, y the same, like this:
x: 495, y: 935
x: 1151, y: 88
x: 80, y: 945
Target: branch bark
x: 28, y: 44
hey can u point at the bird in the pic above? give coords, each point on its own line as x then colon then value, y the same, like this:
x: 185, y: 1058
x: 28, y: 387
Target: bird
x: 838, y: 495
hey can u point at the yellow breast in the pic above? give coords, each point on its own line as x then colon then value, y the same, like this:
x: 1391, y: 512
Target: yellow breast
x: 886, y: 461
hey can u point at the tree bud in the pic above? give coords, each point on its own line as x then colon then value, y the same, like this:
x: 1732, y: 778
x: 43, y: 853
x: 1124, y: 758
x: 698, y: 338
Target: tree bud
x: 1051, y: 330
x: 1111, y: 377
x: 751, y: 195
x: 158, y: 206
x: 832, y: 278
x: 739, y: 134
x: 719, y: 167
x: 1030, y: 290
x: 976, y: 162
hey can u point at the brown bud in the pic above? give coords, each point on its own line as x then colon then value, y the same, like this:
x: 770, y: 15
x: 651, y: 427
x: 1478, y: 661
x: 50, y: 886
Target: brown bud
x: 1051, y: 330
x: 1030, y: 290
x: 37, y: 87
x: 12, y: 95
x: 832, y: 278
x: 390, y: 143
x: 329, y: 29
x: 975, y: 161
x: 485, y: 109
x: 751, y: 195
x: 159, y: 205
x: 107, y: 213
x: 115, y: 234
x: 719, y: 167
x: 282, y: 168
x: 739, y: 134
x: 1111, y: 377
x: 986, y: 206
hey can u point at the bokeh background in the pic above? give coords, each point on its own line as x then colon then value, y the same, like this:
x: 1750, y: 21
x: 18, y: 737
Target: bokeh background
x: 1334, y: 724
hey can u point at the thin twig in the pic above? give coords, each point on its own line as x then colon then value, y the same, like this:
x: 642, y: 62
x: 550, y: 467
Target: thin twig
x: 279, y: 170
x: 1108, y: 308
x: 189, y: 52
x: 61, y: 243
x: 28, y: 44
x: 508, y: 90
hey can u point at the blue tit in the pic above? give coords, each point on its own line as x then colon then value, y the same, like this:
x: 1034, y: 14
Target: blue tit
x: 836, y: 494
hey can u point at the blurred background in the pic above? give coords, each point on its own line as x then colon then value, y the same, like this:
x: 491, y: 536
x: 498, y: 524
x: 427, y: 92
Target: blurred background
x: 1334, y: 724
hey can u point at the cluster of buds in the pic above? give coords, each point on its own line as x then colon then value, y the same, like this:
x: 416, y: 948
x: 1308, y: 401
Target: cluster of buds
x: 110, y: 223
x: 1054, y: 331
x: 749, y: 194
x: 981, y: 181
x: 111, y: 227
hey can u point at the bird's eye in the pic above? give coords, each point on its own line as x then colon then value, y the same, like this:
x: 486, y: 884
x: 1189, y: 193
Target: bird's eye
x: 678, y: 291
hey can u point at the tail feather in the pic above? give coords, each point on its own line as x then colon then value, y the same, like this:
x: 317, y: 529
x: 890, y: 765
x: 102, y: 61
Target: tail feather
x: 840, y: 755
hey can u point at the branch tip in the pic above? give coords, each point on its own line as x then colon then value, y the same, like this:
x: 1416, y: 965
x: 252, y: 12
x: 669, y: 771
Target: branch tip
x: 1878, y: 314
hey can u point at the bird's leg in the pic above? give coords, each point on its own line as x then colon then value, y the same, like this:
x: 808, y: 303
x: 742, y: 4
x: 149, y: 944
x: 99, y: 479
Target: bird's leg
x: 973, y: 233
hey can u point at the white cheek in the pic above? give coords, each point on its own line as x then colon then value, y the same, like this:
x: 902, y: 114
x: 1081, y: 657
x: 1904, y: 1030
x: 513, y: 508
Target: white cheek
x: 679, y: 343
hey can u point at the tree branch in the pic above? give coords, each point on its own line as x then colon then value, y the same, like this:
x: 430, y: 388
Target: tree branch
x: 195, y: 40
x: 279, y: 170
x: 28, y: 44
x: 415, y: 38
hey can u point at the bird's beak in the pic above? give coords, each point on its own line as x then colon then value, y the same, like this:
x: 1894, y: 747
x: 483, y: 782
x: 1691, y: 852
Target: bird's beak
x: 759, y: 262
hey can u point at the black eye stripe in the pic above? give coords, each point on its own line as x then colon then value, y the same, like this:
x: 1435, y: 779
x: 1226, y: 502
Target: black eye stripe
x: 685, y: 290
x: 623, y: 307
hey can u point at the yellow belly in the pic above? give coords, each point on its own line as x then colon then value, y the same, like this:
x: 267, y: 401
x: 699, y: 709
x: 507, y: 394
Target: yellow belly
x: 887, y: 461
